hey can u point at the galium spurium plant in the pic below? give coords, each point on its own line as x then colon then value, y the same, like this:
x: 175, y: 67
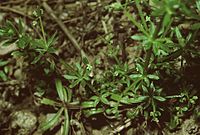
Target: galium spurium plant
x: 120, y: 92
x: 61, y: 105
x: 163, y: 44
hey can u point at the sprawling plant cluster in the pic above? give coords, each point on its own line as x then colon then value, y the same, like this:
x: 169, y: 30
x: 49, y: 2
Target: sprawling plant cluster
x: 157, y: 84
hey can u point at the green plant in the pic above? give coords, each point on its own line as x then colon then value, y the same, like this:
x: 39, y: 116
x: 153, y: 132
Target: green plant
x: 186, y: 104
x: 61, y: 116
x: 119, y: 91
x: 4, y: 71
x: 162, y: 43
x: 35, y: 48
x: 78, y: 76
x: 29, y: 45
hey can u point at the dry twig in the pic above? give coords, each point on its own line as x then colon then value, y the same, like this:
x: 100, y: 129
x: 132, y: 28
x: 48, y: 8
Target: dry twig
x: 63, y: 27
x: 15, y: 11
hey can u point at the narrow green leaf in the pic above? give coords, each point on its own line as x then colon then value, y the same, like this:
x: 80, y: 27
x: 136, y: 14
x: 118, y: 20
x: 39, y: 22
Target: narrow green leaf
x: 70, y: 77
x: 94, y: 97
x: 65, y: 126
x: 17, y: 53
x: 178, y: 33
x: 137, y: 99
x: 139, y: 68
x: 51, y: 50
x: 59, y: 89
x: 141, y: 14
x: 47, y: 101
x: 96, y: 102
x: 104, y: 98
x: 8, y: 42
x: 73, y: 84
x: 159, y: 98
x: 21, y: 26
x: 36, y: 59
x: 138, y: 37
x: 3, y: 63
x: 2, y: 32
x: 116, y: 97
x: 134, y: 76
x: 152, y: 28
x: 65, y: 94
x: 69, y: 94
x: 154, y: 77
x: 144, y: 88
x: 78, y: 66
x: 52, y: 121
x: 174, y: 96
x: 51, y: 41
x: 11, y: 28
x: 6, y: 69
x: 166, y: 20
x: 88, y: 104
x: 125, y: 100
x: 180, y: 38
x: 3, y: 76
x: 198, y: 5
x: 93, y: 111
x: 137, y: 84
x: 147, y: 81
x: 185, y: 109
x: 195, y: 97
x: 156, y: 49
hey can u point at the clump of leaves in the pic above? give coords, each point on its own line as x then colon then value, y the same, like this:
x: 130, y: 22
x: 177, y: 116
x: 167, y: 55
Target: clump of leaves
x: 163, y: 43
x: 120, y: 92
x: 61, y: 105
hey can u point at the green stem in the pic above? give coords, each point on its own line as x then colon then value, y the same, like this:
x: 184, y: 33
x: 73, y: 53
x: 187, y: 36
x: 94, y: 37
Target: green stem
x: 147, y: 59
x: 42, y: 29
x: 153, y: 105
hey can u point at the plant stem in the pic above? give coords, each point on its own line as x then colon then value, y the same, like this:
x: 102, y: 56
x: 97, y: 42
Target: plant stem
x: 42, y: 29
x: 147, y: 59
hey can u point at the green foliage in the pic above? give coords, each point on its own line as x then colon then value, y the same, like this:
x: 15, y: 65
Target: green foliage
x: 78, y: 76
x: 27, y: 43
x: 119, y: 92
x: 140, y: 88
x: 62, y: 115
